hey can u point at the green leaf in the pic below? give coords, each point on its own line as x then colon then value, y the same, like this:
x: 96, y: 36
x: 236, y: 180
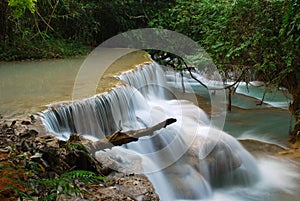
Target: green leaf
x: 21, y: 5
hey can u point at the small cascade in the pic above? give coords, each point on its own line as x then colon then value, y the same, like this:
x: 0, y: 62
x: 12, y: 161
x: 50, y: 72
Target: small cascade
x: 148, y: 80
x: 187, y: 160
x: 97, y: 116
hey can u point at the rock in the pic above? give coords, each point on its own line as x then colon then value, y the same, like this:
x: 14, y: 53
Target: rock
x: 72, y: 197
x: 217, y: 158
x: 4, y: 127
x: 187, y: 182
x: 121, y: 160
x: 29, y: 133
x: 25, y: 122
x: 258, y: 147
x: 125, y: 187
x: 13, y: 124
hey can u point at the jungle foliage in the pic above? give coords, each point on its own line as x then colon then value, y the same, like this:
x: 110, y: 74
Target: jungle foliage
x: 32, y: 29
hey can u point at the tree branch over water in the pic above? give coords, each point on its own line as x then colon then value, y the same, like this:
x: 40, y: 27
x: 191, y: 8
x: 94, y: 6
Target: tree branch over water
x: 119, y: 138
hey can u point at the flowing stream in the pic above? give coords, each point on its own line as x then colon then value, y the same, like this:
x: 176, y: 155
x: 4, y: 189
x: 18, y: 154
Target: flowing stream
x: 188, y: 160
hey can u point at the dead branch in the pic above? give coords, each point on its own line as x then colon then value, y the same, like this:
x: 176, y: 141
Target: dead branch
x: 204, y: 85
x: 145, y: 14
x: 51, y: 15
x: 263, y: 98
x: 46, y: 23
x: 38, y: 28
x: 135, y: 17
x: 120, y: 138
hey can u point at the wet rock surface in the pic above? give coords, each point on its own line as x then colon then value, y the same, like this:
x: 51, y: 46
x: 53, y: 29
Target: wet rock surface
x: 258, y: 149
x: 36, y: 156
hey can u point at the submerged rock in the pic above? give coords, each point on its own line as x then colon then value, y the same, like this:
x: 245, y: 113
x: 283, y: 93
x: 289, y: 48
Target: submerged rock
x: 187, y: 182
x: 212, y: 158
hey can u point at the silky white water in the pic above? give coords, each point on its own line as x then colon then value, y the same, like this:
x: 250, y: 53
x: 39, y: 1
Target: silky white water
x: 188, y: 160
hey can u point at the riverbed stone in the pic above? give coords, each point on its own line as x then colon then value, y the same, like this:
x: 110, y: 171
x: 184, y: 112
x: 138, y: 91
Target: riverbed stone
x: 121, y: 160
x: 187, y: 182
x: 215, y: 157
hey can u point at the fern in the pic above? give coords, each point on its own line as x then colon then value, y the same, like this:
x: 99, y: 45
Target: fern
x: 73, y: 146
x: 65, y: 184
x: 83, y: 176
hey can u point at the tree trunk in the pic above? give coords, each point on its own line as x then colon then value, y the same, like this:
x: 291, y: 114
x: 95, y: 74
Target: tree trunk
x: 182, y: 82
x: 292, y: 83
x: 295, y: 110
x: 3, y: 19
x: 6, y: 27
x: 229, y: 99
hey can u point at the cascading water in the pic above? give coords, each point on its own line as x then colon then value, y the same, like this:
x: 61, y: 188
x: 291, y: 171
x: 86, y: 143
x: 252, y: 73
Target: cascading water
x: 97, y: 116
x: 188, y: 160
x: 212, y: 158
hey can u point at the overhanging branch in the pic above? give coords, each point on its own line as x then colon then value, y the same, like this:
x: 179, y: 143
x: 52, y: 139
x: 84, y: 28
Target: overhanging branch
x: 120, y: 138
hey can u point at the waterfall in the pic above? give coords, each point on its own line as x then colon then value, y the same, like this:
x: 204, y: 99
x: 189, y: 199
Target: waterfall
x: 148, y: 80
x: 187, y: 160
x: 97, y: 116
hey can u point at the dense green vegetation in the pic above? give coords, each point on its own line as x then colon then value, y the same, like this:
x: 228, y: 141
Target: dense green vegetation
x: 261, y: 35
x: 60, y: 28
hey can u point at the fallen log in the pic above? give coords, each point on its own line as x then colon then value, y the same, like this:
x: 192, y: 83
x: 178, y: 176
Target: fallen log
x: 119, y: 137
